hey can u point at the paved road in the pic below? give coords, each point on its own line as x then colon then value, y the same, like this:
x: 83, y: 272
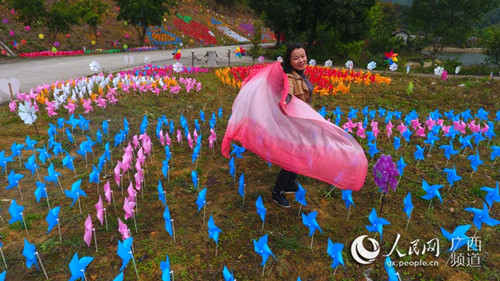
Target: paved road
x: 34, y: 72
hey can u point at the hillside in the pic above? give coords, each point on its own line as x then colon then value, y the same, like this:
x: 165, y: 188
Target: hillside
x: 400, y: 2
x: 184, y: 23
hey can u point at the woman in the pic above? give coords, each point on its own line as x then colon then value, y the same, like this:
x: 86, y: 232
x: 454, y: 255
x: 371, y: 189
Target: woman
x: 294, y: 64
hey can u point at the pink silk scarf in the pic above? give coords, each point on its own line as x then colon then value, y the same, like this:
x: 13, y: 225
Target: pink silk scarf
x: 301, y: 141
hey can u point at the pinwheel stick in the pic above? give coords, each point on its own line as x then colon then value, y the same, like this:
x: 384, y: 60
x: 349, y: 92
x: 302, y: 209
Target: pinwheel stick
x: 348, y: 213
x: 135, y: 267
x: 491, y: 165
x: 300, y: 208
x: 312, y: 239
x: 3, y: 258
x: 37, y: 174
x: 173, y: 228
x: 105, y: 218
x: 408, y: 222
x: 172, y: 273
x: 47, y: 197
x: 79, y: 205
x: 83, y: 272
x: 333, y: 187
x: 60, y: 186
x: 41, y: 264
x: 34, y: 123
x: 135, y: 223
x: 204, y: 207
x: 335, y: 271
x: 244, y: 193
x: 263, y: 268
x: 382, y: 204
x: 1, y: 218
x: 24, y: 222
x: 430, y: 202
x: 113, y: 197
x: 95, y: 239
x: 262, y: 229
x: 216, y: 249
x: 19, y: 187
x: 59, y: 228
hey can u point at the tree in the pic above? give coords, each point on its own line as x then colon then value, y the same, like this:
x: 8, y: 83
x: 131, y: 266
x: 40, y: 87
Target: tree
x: 60, y: 17
x: 29, y: 10
x: 491, y: 41
x: 143, y: 13
x: 382, y: 22
x: 92, y: 11
x: 443, y: 22
x: 256, y: 49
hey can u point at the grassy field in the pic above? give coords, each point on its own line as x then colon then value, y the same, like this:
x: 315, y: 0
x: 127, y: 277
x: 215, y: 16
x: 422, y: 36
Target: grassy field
x: 192, y: 256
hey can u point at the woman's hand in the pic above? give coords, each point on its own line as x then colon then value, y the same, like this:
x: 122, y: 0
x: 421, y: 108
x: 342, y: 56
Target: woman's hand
x: 283, y: 107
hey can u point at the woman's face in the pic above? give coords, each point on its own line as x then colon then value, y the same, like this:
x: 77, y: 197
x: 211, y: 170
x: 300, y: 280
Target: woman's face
x: 298, y: 59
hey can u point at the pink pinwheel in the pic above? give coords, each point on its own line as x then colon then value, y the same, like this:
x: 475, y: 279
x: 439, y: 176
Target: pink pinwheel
x: 132, y: 193
x: 212, y: 138
x: 440, y: 122
x: 420, y: 132
x: 70, y: 107
x: 112, y: 99
x: 50, y: 111
x: 117, y: 170
x: 198, y: 87
x: 388, y: 128
x: 446, y: 129
x: 175, y: 89
x: 195, y: 135
x: 147, y: 145
x: 402, y: 128
x: 485, y: 128
x: 87, y: 236
x: 135, y: 141
x: 162, y: 138
x: 179, y: 136
x: 156, y: 91
x: 138, y: 180
x: 430, y: 123
x: 361, y: 131
x: 87, y: 105
x: 100, y: 210
x: 12, y: 106
x: 444, y: 75
x: 101, y: 102
x: 349, y: 125
x: 190, y: 140
x: 473, y: 127
x: 167, y: 139
x: 123, y: 229
x: 128, y: 207
x: 140, y: 156
x: 459, y: 126
x: 107, y: 192
x: 189, y: 87
x: 415, y: 124
x: 375, y: 129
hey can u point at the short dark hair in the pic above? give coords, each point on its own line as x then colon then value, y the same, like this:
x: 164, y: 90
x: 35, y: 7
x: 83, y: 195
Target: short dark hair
x: 287, y: 68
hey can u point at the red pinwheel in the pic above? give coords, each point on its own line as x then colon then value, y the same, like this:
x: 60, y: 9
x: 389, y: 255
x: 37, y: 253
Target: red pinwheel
x: 390, y: 57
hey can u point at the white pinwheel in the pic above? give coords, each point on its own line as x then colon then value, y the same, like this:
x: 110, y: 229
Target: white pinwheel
x: 261, y: 59
x: 457, y: 69
x: 280, y: 59
x: 393, y: 67
x: 438, y: 71
x: 147, y: 60
x: 349, y: 64
x: 371, y: 65
x: 178, y: 67
x: 328, y: 63
x: 94, y: 66
x: 312, y: 62
x: 27, y: 112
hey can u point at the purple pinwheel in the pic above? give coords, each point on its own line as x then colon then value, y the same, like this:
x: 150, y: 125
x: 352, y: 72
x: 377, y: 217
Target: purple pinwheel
x: 385, y: 173
x: 377, y: 223
x: 261, y: 210
x: 335, y: 253
x: 458, y: 236
x: 261, y: 248
x: 451, y: 175
x: 482, y: 216
x: 492, y: 195
x: 77, y: 267
x: 431, y: 192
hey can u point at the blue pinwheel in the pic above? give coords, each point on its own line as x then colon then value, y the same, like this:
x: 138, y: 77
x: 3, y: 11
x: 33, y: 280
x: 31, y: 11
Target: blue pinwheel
x: 492, y: 195
x: 322, y: 112
x: 451, y: 175
x: 237, y: 150
x: 353, y: 113
x: 57, y: 148
x: 16, y: 150
x: 105, y: 125
x: 397, y: 143
x: 98, y: 136
x: 475, y: 161
x: 52, y: 218
x: 119, y: 277
x: 165, y: 269
x: 406, y: 135
x: 495, y: 153
x: 232, y: 168
x: 401, y: 166
x: 377, y: 223
x: 458, y: 238
x: 241, y: 186
x: 30, y: 144
x: 164, y: 168
x: 334, y: 250
x: 300, y: 196
x: 408, y: 205
x: 16, y: 212
x: 431, y: 191
x: 196, y: 152
x: 197, y: 125
x: 448, y: 150
x: 124, y: 251
x: 69, y: 136
x: 261, y: 210
x: 13, y: 179
x: 40, y: 191
x: 68, y: 162
x: 431, y: 139
x: 419, y: 153
x: 391, y: 271
x: 75, y: 192
x: 478, y: 137
x: 171, y: 127
x: 490, y: 133
x: 4, y: 160
x: 29, y: 252
x: 119, y: 138
x: 52, y: 176
x: 465, y: 141
x: 228, y: 276
x: 482, y: 216
x: 168, y: 221
x: 347, y: 197
x: 52, y: 130
x: 94, y: 175
x: 201, y: 200
x: 261, y: 248
x: 161, y: 193
x: 466, y: 115
x: 194, y: 178
x: 2, y: 275
x: 31, y: 164
x: 213, y: 230
x: 310, y: 221
x: 78, y: 266
x: 372, y: 148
